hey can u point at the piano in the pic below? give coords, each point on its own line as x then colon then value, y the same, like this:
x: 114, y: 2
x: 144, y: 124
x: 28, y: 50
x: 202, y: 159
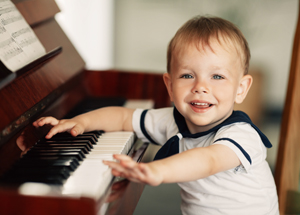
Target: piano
x: 59, y: 85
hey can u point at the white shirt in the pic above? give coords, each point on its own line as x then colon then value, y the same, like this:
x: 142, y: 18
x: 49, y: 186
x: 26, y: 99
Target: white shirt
x: 246, y: 189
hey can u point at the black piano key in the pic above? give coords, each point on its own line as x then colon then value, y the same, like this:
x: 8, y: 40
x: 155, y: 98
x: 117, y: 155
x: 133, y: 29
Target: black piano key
x: 97, y: 132
x: 46, y: 141
x: 64, y: 148
x: 75, y: 152
x: 65, y: 158
x: 76, y: 155
x: 69, y: 164
x: 70, y: 138
x: 58, y: 150
x: 47, y: 161
x: 64, y: 144
x: 67, y: 135
x: 93, y: 136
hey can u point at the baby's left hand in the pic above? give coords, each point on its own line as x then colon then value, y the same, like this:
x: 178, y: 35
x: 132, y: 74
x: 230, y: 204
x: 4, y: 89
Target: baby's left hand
x: 133, y: 171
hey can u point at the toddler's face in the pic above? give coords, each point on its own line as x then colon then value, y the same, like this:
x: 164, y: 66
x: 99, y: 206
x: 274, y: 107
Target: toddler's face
x: 205, y: 85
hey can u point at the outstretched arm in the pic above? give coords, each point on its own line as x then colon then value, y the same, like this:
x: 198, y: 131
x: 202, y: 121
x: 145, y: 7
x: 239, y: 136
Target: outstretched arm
x: 107, y: 119
x: 189, y: 165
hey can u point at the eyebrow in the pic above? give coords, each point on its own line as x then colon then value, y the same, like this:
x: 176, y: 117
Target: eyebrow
x: 218, y: 68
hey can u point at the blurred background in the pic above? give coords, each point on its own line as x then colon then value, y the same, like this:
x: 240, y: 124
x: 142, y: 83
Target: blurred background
x: 133, y: 35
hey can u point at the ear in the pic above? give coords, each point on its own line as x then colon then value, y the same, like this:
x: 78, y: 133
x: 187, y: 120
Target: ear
x: 245, y: 84
x: 168, y: 83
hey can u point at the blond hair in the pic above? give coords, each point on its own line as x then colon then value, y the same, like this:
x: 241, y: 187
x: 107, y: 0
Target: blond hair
x: 201, y: 30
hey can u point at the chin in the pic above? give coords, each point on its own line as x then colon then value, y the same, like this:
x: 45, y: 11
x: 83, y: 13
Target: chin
x: 200, y: 126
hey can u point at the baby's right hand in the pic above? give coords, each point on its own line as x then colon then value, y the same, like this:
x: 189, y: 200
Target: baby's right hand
x: 69, y: 125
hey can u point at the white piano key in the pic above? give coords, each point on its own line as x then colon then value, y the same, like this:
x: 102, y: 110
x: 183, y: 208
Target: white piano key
x: 92, y: 177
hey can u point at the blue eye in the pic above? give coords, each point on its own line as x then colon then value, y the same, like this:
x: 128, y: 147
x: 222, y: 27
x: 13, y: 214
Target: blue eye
x: 217, y: 77
x: 187, y: 76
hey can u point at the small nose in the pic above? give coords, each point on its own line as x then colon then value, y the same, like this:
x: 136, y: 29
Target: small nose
x: 200, y: 87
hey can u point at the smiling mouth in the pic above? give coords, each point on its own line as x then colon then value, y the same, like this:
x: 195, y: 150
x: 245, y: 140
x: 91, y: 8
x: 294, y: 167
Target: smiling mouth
x: 201, y: 105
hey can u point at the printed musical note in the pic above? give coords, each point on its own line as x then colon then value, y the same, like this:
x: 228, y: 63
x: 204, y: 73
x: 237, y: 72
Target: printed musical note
x: 2, y: 29
x: 10, y: 49
x: 18, y: 42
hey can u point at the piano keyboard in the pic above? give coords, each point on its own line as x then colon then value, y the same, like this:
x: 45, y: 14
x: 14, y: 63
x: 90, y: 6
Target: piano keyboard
x: 73, y: 165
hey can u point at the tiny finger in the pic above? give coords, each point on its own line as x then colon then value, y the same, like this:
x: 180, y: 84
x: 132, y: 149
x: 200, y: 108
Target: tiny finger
x: 121, y: 157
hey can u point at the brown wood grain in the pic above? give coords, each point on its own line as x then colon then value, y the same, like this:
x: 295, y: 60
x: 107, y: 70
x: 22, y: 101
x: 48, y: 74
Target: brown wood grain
x: 129, y: 84
x: 288, y: 157
x: 12, y: 203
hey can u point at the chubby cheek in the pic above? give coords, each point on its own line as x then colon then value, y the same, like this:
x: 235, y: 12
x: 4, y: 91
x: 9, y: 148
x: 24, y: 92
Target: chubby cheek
x: 226, y: 95
x: 180, y: 91
x: 176, y: 96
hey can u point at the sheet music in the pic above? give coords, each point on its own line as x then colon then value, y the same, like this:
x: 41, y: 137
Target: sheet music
x: 18, y: 43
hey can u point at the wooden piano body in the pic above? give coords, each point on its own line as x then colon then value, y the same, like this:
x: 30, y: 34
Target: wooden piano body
x: 54, y: 87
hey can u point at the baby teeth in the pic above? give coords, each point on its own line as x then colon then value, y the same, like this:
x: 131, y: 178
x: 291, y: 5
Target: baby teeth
x: 196, y: 103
